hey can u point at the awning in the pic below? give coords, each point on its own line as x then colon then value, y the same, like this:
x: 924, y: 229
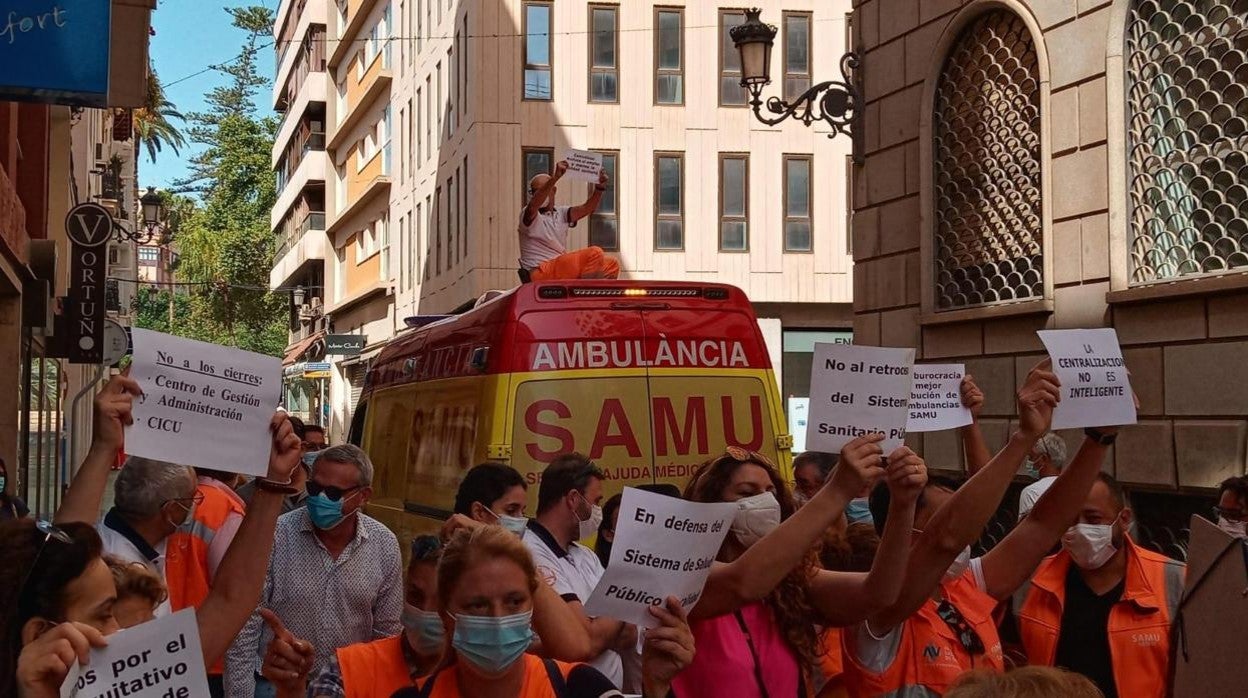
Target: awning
x: 296, y: 351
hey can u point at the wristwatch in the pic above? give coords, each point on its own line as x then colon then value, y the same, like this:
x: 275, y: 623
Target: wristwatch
x: 1099, y: 436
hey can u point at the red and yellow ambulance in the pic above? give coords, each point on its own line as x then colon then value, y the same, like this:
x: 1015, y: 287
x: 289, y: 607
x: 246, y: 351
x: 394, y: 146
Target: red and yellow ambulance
x: 648, y: 379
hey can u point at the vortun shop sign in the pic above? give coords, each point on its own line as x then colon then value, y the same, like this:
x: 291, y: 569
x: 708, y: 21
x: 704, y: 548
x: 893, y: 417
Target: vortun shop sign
x: 55, y: 51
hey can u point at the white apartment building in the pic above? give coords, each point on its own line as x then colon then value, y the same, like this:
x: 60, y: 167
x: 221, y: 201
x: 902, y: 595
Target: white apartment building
x: 435, y: 113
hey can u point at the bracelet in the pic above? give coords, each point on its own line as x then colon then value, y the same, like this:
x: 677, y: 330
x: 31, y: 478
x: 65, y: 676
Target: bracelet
x: 267, y: 485
x: 599, y: 187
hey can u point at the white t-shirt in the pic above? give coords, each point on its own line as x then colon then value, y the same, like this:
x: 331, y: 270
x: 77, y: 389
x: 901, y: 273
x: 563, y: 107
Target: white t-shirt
x: 546, y: 237
x: 573, y: 574
x: 1031, y: 494
x: 123, y: 542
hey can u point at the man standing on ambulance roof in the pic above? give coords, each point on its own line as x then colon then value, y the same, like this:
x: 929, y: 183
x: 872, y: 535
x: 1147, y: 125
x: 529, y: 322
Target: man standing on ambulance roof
x: 544, y: 227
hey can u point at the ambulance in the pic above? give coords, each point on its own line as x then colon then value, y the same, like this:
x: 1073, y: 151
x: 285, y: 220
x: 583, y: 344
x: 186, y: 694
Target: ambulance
x: 648, y: 379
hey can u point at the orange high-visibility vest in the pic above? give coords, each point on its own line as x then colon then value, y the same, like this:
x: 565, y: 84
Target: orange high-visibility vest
x: 536, y: 680
x: 373, y: 669
x: 1139, y: 624
x: 186, y: 552
x: 929, y: 655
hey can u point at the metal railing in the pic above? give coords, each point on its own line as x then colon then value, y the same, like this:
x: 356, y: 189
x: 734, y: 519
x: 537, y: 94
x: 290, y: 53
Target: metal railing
x: 289, y: 235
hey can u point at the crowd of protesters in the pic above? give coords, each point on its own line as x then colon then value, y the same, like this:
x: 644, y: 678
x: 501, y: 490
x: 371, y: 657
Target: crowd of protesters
x: 855, y: 580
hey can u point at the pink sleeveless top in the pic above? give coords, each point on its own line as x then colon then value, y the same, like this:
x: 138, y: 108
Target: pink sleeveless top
x: 724, y: 665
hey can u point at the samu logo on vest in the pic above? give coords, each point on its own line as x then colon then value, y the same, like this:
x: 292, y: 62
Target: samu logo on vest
x: 1146, y: 639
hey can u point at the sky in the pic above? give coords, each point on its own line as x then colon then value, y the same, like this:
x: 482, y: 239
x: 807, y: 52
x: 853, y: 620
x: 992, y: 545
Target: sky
x: 191, y: 35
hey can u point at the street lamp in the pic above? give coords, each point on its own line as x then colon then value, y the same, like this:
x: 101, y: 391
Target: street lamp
x: 155, y: 226
x: 835, y: 102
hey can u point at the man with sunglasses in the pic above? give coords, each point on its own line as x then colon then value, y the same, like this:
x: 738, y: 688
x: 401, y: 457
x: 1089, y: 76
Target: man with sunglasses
x: 151, y: 502
x: 335, y: 576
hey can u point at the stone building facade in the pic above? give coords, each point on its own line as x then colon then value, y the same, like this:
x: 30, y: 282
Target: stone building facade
x: 1037, y: 164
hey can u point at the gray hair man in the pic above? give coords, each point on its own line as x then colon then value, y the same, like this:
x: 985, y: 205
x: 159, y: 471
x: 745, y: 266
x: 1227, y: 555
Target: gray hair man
x: 335, y: 576
x: 1046, y: 460
x: 151, y: 501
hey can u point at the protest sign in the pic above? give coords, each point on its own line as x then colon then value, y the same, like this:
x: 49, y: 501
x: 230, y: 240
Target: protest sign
x: 203, y: 404
x: 936, y: 398
x: 583, y: 165
x: 1096, y: 391
x: 857, y: 390
x: 663, y: 547
x: 157, y: 659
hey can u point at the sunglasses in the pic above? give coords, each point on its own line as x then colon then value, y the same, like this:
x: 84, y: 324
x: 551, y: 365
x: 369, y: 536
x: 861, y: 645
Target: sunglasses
x: 426, y: 547
x: 967, y: 637
x: 332, y: 493
x: 50, y: 532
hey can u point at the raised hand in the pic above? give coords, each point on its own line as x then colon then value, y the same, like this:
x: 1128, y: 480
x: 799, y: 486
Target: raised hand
x: 44, y: 663
x: 972, y: 396
x: 907, y: 475
x: 287, y: 660
x: 561, y: 168
x: 112, y: 413
x: 284, y: 454
x: 602, y: 177
x: 861, y: 465
x: 667, y: 650
x: 1037, y: 399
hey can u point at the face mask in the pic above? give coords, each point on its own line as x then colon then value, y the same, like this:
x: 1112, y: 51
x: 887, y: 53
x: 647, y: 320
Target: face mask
x: 589, y: 526
x: 1235, y: 528
x: 492, y: 644
x: 324, y: 512
x: 423, y: 629
x: 3, y: 481
x: 756, y: 517
x: 310, y: 457
x: 859, y: 511
x: 1030, y: 469
x: 515, y: 524
x: 960, y: 563
x: 1090, y: 545
x: 190, y: 516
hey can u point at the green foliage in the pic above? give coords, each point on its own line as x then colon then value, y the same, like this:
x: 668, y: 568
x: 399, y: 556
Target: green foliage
x: 225, y: 248
x: 152, y: 128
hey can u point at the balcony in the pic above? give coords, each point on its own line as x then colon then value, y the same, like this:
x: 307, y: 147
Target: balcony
x: 309, y: 59
x: 309, y: 102
x: 299, y: 243
x: 308, y: 141
x: 310, y: 173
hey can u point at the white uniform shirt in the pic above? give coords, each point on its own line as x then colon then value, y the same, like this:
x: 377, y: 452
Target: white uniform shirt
x: 123, y: 542
x: 546, y: 237
x: 1031, y: 494
x: 573, y: 573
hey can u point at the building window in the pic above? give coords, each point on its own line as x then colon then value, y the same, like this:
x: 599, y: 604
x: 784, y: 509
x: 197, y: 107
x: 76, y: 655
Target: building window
x: 731, y: 94
x: 537, y: 50
x: 796, y: 54
x: 430, y: 230
x: 149, y: 255
x: 734, y: 207
x: 383, y: 136
x: 463, y: 72
x: 986, y: 128
x: 452, y: 67
x: 437, y: 231
x: 536, y: 161
x: 383, y: 246
x: 417, y: 235
x: 428, y: 118
x: 604, y: 224
x: 669, y: 60
x: 452, y: 202
x: 420, y: 26
x: 1187, y: 139
x: 669, y: 228
x: 439, y: 105
x: 405, y: 247
x: 797, y: 234
x: 603, y: 54
x: 463, y: 210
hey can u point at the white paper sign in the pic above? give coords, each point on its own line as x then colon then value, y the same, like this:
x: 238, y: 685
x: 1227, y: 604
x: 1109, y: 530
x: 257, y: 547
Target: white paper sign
x: 857, y: 390
x: 663, y: 547
x: 203, y: 404
x: 583, y: 165
x: 936, y: 398
x: 157, y: 659
x: 1096, y: 391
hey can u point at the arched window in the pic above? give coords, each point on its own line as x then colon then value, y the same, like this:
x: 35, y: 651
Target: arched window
x: 986, y: 167
x: 1187, y: 137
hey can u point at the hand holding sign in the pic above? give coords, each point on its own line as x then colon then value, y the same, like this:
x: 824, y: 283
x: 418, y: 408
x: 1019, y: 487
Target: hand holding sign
x: 285, y: 453
x: 972, y: 396
x: 668, y: 649
x: 161, y: 658
x: 861, y: 464
x: 907, y: 476
x: 113, y: 407
x: 1037, y: 399
x: 45, y: 663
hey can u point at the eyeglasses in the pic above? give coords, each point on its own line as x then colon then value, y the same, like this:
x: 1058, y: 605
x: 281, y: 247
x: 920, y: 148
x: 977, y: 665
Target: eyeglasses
x: 332, y: 493
x: 425, y: 547
x: 967, y: 637
x: 50, y: 532
x: 195, y: 499
x: 1229, y: 514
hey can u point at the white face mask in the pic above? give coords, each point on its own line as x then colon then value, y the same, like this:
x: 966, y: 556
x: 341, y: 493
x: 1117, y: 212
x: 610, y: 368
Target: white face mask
x: 960, y: 563
x: 1235, y: 528
x: 1090, y: 545
x: 589, y: 527
x: 756, y: 517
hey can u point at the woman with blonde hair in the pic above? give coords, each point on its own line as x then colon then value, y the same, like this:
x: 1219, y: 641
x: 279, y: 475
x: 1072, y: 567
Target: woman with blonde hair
x: 1025, y: 682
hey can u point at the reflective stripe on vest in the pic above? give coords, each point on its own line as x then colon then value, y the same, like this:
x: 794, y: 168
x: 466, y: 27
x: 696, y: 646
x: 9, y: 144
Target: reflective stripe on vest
x: 1139, y: 623
x: 374, y: 668
x: 929, y: 657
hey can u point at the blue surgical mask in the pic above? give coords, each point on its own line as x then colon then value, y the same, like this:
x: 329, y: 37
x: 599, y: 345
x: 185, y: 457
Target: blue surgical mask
x: 493, y: 644
x: 310, y: 457
x: 324, y: 512
x: 424, y: 630
x: 859, y: 511
x: 515, y: 524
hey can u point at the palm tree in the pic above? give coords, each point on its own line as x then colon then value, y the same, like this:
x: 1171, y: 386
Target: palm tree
x: 152, y: 128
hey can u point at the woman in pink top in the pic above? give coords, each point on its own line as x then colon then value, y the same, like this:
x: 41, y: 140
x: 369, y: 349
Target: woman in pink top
x: 755, y: 622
